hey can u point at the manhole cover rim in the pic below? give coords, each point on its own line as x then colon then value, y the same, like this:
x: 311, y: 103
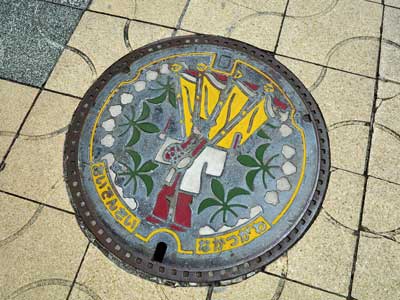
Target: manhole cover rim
x: 144, y: 267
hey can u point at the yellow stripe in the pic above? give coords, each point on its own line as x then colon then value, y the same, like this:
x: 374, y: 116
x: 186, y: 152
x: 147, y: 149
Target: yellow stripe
x: 146, y: 239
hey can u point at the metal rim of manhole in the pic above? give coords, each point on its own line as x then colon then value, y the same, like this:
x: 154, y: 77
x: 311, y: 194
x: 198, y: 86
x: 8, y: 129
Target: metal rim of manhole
x: 196, y: 160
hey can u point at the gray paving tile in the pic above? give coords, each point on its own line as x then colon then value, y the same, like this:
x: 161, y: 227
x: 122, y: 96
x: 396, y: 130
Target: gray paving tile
x: 82, y: 4
x: 32, y: 37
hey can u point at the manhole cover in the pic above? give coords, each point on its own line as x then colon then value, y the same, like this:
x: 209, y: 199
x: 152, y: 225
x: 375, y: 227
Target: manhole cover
x: 196, y: 160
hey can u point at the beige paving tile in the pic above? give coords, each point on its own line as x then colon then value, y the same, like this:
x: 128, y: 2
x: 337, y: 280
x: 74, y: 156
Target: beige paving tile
x: 5, y: 142
x: 98, y: 42
x: 40, y: 250
x: 342, y: 202
x: 385, y: 154
x: 47, y: 289
x: 341, y: 96
x: 395, y: 3
x: 251, y: 21
x: 388, y: 104
x: 165, y: 12
x: 377, y: 273
x: 323, y: 257
x: 34, y: 167
x: 390, y: 52
x: 342, y: 34
x: 11, y: 227
x: 108, y: 281
x: 263, y: 286
x: 382, y: 208
x: 15, y: 100
x: 387, y: 91
x: 348, y: 145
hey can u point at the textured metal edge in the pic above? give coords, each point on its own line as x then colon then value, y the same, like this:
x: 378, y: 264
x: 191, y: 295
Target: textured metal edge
x: 158, y: 272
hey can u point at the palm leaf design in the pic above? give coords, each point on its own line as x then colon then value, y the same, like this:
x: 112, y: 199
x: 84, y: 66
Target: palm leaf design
x: 222, y: 201
x: 138, y: 125
x: 258, y: 165
x: 167, y: 92
x: 139, y: 171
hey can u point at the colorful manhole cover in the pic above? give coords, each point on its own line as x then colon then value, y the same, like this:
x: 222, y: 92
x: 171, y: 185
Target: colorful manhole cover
x: 196, y: 160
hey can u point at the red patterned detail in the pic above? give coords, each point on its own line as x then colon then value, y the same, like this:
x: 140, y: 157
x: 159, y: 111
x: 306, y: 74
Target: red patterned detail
x: 183, y: 214
x: 162, y: 205
x: 220, y: 77
x: 199, y: 147
x: 192, y: 72
x: 251, y: 86
x: 280, y: 104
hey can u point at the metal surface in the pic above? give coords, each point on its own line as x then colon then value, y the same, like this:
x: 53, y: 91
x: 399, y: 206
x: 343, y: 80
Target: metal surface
x: 196, y: 160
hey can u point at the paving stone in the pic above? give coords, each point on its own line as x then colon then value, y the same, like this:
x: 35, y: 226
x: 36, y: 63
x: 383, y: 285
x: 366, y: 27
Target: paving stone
x: 335, y: 33
x: 323, y: 257
x: 165, y: 12
x: 249, y: 21
x: 108, y: 281
x: 390, y: 53
x: 40, y: 248
x: 82, y: 4
x: 385, y: 153
x: 377, y: 274
x: 98, y: 42
x: 342, y: 202
x: 263, y: 286
x: 348, y: 143
x: 382, y: 208
x: 5, y: 142
x: 350, y: 97
x: 16, y: 100
x: 33, y: 34
x: 385, y: 142
x: 395, y: 3
x: 34, y: 166
x: 388, y: 104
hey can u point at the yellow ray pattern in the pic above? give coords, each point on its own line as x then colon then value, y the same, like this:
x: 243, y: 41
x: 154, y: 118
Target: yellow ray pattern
x: 253, y: 120
x: 209, y: 95
x: 230, y: 109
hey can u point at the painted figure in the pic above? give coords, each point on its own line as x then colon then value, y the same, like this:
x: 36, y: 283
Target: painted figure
x: 211, y: 127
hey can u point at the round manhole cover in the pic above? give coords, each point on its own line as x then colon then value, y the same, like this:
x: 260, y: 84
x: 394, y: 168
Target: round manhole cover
x: 196, y: 160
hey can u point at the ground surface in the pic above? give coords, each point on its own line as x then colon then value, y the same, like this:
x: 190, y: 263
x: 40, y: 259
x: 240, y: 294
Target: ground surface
x: 347, y: 52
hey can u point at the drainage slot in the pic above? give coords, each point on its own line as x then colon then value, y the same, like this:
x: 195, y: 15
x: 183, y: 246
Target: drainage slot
x: 160, y: 252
